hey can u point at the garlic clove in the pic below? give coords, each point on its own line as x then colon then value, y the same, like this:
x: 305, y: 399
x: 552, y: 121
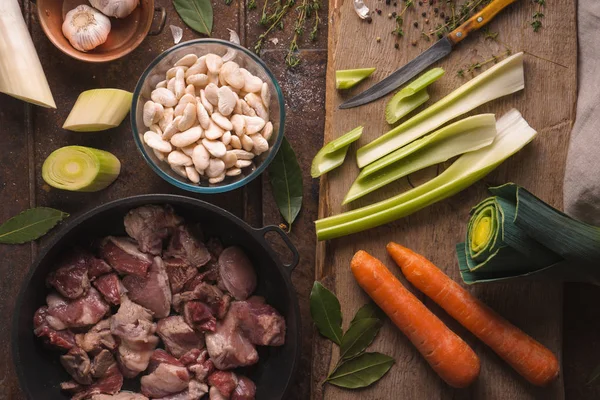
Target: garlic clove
x: 85, y: 28
x: 115, y: 8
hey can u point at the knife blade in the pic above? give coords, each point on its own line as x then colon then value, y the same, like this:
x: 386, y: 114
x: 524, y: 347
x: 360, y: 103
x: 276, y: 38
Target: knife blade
x: 437, y: 51
x: 434, y: 53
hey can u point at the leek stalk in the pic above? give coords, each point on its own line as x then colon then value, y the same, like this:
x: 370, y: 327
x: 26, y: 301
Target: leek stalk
x: 502, y: 79
x: 21, y: 73
x: 412, y: 96
x: 513, y: 134
x: 347, y: 78
x: 466, y: 135
x: 80, y: 169
x: 98, y: 110
x: 333, y: 154
x: 514, y: 235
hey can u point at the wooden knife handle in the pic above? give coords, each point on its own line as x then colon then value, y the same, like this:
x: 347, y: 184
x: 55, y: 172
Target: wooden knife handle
x: 478, y: 20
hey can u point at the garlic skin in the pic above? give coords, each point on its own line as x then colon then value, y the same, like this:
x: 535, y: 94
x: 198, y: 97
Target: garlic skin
x: 115, y: 8
x: 86, y: 28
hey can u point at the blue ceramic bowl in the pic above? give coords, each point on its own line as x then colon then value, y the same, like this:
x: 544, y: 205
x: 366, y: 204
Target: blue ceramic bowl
x: 156, y: 72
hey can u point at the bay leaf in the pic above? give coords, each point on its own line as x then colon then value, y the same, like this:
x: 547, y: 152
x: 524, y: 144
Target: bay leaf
x: 197, y: 14
x: 361, y: 371
x: 326, y: 312
x: 286, y: 180
x: 30, y: 225
x: 358, y: 337
x: 369, y: 310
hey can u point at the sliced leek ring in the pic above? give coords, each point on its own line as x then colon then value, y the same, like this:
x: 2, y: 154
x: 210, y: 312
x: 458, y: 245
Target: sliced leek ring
x: 80, y: 169
x: 98, y: 110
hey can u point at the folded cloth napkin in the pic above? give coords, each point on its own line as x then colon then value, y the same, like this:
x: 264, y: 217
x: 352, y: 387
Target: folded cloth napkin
x: 582, y: 176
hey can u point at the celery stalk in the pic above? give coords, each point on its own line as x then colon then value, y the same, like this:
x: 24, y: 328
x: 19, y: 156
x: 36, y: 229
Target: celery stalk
x: 98, y: 110
x: 513, y: 134
x: 80, y: 169
x: 21, y: 73
x: 412, y: 96
x: 347, y: 78
x: 466, y: 135
x: 332, y: 155
x: 502, y: 79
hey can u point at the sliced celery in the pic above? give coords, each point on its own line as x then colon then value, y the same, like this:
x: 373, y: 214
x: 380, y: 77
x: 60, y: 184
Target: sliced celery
x: 98, y: 110
x: 80, y: 169
x: 412, y: 96
x: 502, y: 79
x: 466, y: 135
x: 332, y: 155
x: 346, y: 78
x: 513, y: 134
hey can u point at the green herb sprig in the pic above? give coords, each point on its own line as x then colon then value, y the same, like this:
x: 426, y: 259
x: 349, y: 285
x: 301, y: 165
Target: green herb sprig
x: 355, y: 368
x: 30, y: 225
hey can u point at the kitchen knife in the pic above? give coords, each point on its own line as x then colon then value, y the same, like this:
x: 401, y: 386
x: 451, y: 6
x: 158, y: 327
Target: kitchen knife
x: 437, y: 51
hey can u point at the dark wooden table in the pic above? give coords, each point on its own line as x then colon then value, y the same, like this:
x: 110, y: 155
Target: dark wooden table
x: 30, y: 133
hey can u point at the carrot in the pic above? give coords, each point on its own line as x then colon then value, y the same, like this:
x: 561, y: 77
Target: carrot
x: 528, y: 357
x: 449, y: 356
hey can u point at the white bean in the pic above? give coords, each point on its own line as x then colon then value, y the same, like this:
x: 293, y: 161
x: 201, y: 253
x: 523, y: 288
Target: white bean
x: 226, y: 138
x: 260, y: 144
x: 179, y: 170
x: 191, y: 90
x: 180, y: 83
x: 167, y: 118
x: 253, y: 124
x: 171, y: 129
x: 267, y: 131
x: 265, y: 95
x: 189, y: 117
x: 177, y: 157
x: 222, y: 121
x: 199, y: 80
x: 149, y: 113
x: 215, y: 148
x: 198, y: 68
x: 189, y: 150
x: 247, y: 143
x: 243, y: 163
x: 164, y: 96
x: 154, y: 141
x: 217, y: 179
x: 235, y: 142
x: 209, y: 107
x: 233, y: 171
x: 215, y: 168
x: 200, y: 157
x: 160, y: 156
x: 203, y: 116
x: 192, y: 174
x: 251, y: 83
x: 233, y: 75
x: 243, y: 154
x: 229, y: 159
x: 214, y: 63
x: 187, y: 61
x: 187, y: 137
x: 256, y: 103
x: 211, y: 93
x: 183, y: 102
x: 214, y: 131
x: 172, y: 72
x: 227, y: 100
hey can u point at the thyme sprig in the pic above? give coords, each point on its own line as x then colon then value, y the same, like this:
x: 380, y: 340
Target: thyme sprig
x: 400, y: 18
x: 478, y: 65
x: 465, y: 11
x: 536, y: 23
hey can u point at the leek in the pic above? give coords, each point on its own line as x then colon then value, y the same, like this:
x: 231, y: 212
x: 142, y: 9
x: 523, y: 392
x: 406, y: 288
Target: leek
x: 513, y: 134
x: 466, y: 135
x: 502, y: 79
x: 98, y: 110
x: 80, y: 169
x: 333, y: 154
x: 347, y: 78
x: 21, y: 73
x: 515, y: 234
x: 412, y: 96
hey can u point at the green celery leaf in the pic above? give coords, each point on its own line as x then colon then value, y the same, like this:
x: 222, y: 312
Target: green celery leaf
x: 361, y: 371
x: 30, y: 225
x: 197, y: 14
x: 358, y: 337
x: 326, y: 312
x: 286, y: 180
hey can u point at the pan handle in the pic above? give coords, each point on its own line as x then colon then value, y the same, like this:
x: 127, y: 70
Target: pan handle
x: 288, y: 242
x: 163, y: 20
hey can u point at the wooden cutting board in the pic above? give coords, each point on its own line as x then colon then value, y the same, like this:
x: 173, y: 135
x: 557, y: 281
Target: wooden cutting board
x: 547, y: 103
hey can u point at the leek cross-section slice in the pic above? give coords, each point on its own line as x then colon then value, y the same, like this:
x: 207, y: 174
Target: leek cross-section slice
x: 332, y: 155
x: 466, y: 135
x: 513, y: 134
x: 412, y: 96
x: 346, y: 78
x: 21, y: 73
x: 502, y: 79
x: 80, y: 169
x: 516, y: 235
x: 98, y: 110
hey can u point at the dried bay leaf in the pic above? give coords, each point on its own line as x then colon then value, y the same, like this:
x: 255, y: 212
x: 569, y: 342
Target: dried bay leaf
x: 286, y: 180
x: 326, y: 312
x: 361, y: 371
x: 358, y: 337
x: 197, y: 14
x: 30, y: 225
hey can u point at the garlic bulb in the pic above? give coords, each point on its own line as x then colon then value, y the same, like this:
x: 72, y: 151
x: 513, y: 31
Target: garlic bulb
x: 115, y: 8
x: 86, y: 28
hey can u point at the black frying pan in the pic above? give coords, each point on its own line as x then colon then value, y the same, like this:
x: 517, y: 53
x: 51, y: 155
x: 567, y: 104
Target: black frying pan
x: 39, y: 369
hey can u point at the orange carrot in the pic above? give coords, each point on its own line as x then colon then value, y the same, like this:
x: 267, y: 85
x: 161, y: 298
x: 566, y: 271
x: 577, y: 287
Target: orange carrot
x: 528, y: 357
x: 449, y: 356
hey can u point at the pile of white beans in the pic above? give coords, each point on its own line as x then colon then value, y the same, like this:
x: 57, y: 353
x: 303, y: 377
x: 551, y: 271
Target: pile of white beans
x: 208, y: 118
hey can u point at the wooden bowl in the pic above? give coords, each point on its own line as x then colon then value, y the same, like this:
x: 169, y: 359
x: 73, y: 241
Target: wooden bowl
x: 125, y: 34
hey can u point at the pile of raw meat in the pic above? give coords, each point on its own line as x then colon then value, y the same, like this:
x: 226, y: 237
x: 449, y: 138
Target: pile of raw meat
x: 162, y: 305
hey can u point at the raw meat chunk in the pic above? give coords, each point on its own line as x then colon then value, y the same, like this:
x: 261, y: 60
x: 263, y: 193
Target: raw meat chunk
x: 260, y: 323
x: 184, y: 245
x: 210, y: 295
x: 111, y: 288
x: 110, y: 384
x: 228, y: 347
x: 71, y: 281
x: 200, y: 316
x: 102, y: 364
x: 120, y: 396
x: 150, y: 225
x: 245, y: 390
x: 152, y: 291
x: 123, y: 255
x: 179, y: 272
x: 224, y: 381
x: 166, y: 379
x: 195, y: 391
x: 63, y: 339
x: 97, y: 338
x: 237, y: 273
x: 178, y: 336
x: 78, y: 365
x: 84, y: 311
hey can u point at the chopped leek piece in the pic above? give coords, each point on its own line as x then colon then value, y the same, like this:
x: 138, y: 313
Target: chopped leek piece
x: 347, y: 78
x: 21, y: 73
x: 80, y: 169
x: 513, y: 134
x: 98, y: 110
x: 332, y: 155
x: 466, y: 135
x: 502, y: 79
x: 412, y: 96
x: 514, y: 235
